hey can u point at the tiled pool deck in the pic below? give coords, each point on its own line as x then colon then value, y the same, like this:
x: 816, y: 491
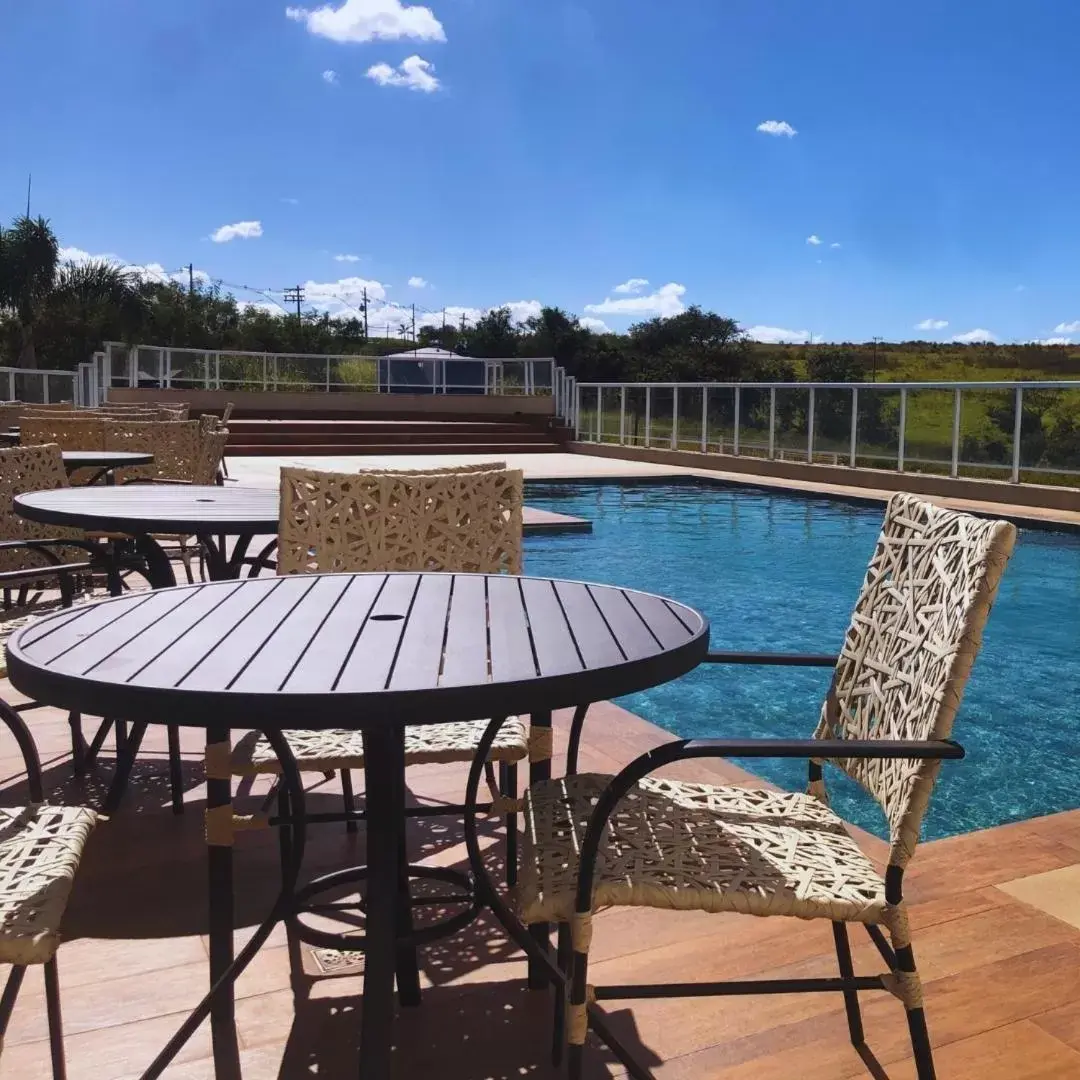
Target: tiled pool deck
x: 264, y: 470
x: 995, y: 915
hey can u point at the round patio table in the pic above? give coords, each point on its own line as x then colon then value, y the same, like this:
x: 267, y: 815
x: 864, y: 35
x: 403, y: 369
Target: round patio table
x: 106, y: 461
x: 143, y: 511
x: 373, y: 652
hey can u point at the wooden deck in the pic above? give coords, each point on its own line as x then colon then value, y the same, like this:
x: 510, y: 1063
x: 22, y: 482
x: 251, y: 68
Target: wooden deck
x: 1003, y: 976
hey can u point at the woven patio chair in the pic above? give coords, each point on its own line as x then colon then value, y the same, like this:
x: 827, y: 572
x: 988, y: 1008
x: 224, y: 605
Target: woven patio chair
x: 467, y: 520
x: 40, y: 850
x: 41, y: 566
x: 635, y: 839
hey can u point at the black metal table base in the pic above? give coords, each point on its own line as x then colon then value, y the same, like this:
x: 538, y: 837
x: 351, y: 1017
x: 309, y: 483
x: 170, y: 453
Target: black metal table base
x: 353, y: 942
x: 390, y: 940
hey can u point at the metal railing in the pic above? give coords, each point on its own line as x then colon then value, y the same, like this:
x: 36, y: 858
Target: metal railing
x: 162, y: 367
x: 1019, y: 431
x: 36, y: 385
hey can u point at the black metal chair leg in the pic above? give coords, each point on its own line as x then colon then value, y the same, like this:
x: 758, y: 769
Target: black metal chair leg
x: 7, y: 999
x: 56, y: 1027
x: 508, y: 787
x: 558, y: 1032
x: 78, y: 743
x: 176, y: 770
x: 349, y: 799
x: 920, y: 1045
x: 847, y: 971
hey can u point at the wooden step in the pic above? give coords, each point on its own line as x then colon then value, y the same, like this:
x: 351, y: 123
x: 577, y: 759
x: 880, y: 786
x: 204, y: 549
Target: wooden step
x: 493, y: 449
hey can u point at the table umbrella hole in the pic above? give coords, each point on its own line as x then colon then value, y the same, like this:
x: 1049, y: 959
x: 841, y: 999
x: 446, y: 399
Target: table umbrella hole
x: 387, y: 618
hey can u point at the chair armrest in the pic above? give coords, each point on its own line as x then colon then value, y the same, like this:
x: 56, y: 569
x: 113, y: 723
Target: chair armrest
x: 41, y: 546
x: 929, y: 750
x: 777, y: 659
x: 43, y: 573
x: 15, y: 723
x: 156, y: 480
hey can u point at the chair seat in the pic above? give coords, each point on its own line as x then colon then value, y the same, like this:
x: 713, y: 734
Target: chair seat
x: 334, y: 749
x: 671, y: 844
x: 40, y: 849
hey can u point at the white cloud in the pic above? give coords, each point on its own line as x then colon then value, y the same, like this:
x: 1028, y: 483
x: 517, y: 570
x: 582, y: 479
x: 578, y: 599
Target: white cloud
x: 1068, y: 327
x: 369, y: 20
x: 665, y: 302
x: 330, y: 77
x: 520, y: 310
x: 413, y: 72
x: 813, y: 240
x: 834, y: 245
x: 597, y: 326
x: 932, y: 324
x: 777, y: 335
x: 347, y: 258
x: 976, y: 337
x: 417, y: 283
x: 1020, y: 288
x: 1051, y: 341
x: 634, y: 285
x: 243, y: 230
x: 777, y: 127
x: 290, y: 201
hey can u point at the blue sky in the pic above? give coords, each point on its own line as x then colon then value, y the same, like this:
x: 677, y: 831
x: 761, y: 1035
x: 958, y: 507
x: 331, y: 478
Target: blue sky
x: 501, y: 151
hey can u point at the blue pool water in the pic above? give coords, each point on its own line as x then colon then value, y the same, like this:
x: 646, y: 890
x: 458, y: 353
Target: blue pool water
x: 779, y: 573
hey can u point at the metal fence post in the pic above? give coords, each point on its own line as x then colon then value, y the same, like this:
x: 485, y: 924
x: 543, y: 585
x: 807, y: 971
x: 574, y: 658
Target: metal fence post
x: 902, y: 444
x: 648, y: 414
x: 622, y: 415
x: 810, y: 428
x: 772, y: 422
x: 705, y: 419
x: 599, y: 413
x: 854, y: 423
x: 954, y: 469
x: 1017, y: 429
x: 45, y: 389
x: 577, y: 414
x: 675, y: 418
x: 328, y: 374
x: 735, y: 428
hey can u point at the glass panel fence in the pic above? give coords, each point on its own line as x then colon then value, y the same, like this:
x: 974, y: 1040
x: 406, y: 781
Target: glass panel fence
x: 877, y: 435
x: 792, y: 410
x: 688, y: 433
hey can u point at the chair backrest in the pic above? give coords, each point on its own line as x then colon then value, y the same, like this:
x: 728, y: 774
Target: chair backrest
x: 915, y: 632
x: 68, y: 432
x: 31, y: 468
x: 174, y: 444
x: 452, y: 520
x: 210, y: 451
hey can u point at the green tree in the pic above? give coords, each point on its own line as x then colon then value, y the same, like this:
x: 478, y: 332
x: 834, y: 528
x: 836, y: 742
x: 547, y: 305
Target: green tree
x: 494, y: 336
x: 28, y: 261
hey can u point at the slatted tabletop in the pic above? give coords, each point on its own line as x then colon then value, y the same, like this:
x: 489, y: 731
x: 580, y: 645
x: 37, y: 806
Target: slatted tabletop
x: 105, y: 459
x: 145, y: 508
x: 341, y: 650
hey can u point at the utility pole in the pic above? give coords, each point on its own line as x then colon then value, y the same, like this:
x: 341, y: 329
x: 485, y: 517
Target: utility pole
x: 295, y: 296
x: 413, y: 330
x: 873, y: 376
x: 29, y: 180
x: 190, y: 281
x: 463, y: 322
x: 365, y: 313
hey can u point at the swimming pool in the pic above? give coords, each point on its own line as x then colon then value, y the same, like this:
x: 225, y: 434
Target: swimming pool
x: 778, y: 572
